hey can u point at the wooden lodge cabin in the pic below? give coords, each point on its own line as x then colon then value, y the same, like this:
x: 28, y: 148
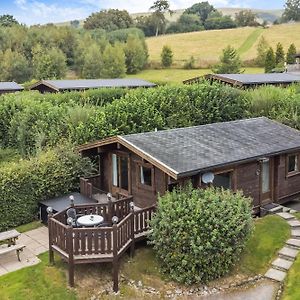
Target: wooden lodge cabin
x: 54, y: 86
x: 10, y: 87
x: 258, y: 156
x: 249, y: 80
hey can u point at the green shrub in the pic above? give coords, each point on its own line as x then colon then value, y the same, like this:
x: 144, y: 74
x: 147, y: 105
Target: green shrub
x: 199, y: 234
x: 26, y: 182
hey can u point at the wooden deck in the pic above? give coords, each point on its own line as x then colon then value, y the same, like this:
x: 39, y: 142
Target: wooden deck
x: 98, y: 244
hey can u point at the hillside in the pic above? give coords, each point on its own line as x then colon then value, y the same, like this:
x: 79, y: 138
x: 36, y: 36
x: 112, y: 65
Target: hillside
x: 206, y: 46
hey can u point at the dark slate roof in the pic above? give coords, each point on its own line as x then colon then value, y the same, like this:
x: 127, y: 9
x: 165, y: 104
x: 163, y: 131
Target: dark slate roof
x: 96, y: 83
x: 10, y: 86
x: 253, y: 79
x: 62, y: 202
x: 186, y: 151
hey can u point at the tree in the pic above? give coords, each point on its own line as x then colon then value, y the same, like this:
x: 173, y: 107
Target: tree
x: 14, y: 67
x: 221, y: 22
x: 160, y: 7
x: 279, y: 55
x: 199, y: 234
x: 186, y: 23
x: 48, y: 63
x: 147, y: 24
x: 166, y: 56
x: 75, y: 23
x: 92, y: 62
x: 202, y: 9
x: 135, y: 54
x: 109, y: 20
x: 262, y: 49
x: 8, y: 21
x: 291, y: 10
x: 270, y: 63
x: 113, y: 62
x: 246, y: 18
x: 230, y: 62
x: 290, y: 55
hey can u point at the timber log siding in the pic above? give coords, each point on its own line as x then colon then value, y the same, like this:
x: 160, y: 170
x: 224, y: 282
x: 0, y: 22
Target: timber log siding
x: 244, y: 176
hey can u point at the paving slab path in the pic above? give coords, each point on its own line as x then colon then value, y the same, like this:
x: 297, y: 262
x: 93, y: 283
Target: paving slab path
x: 288, y: 254
x: 36, y: 242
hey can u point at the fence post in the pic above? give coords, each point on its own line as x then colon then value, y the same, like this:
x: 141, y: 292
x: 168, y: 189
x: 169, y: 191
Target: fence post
x: 71, y: 255
x: 109, y: 207
x: 132, y: 246
x: 115, y: 259
x: 50, y: 234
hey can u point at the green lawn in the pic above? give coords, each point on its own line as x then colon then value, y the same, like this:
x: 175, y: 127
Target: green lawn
x: 37, y: 282
x: 291, y: 284
x: 178, y: 75
x: 269, y: 236
x: 249, y: 41
x: 29, y: 226
x: 49, y: 282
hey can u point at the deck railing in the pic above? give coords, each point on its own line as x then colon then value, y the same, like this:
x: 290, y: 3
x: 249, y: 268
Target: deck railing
x: 98, y: 244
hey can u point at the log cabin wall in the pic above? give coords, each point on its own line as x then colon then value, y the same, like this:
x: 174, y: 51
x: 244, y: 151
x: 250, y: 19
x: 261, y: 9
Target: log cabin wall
x: 248, y: 181
x: 288, y: 186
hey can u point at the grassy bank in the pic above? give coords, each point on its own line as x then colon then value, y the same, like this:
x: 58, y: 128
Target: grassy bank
x: 206, y: 46
x: 178, y: 75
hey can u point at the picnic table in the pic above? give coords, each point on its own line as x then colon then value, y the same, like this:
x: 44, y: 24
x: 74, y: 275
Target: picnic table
x: 10, y: 236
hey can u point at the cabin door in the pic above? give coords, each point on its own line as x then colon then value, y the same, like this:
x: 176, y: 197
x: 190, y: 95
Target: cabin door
x: 120, y: 174
x: 266, y: 177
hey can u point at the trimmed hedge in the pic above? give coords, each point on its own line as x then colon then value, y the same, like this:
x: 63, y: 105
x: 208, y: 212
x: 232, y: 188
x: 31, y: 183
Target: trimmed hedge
x: 199, y: 234
x: 30, y: 121
x: 26, y: 182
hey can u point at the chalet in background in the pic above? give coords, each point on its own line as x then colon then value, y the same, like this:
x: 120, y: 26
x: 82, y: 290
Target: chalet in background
x: 258, y: 156
x: 250, y: 80
x: 53, y: 86
x: 10, y: 87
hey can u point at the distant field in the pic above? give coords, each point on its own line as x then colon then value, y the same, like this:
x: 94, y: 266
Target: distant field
x: 178, y: 75
x: 206, y: 46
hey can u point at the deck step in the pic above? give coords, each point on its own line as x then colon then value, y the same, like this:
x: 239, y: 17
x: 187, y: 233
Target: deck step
x: 276, y: 209
x: 288, y: 253
x: 286, y: 215
x: 275, y: 274
x: 282, y: 264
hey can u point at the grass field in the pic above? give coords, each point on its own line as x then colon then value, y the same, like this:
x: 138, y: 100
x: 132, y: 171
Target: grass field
x: 178, y: 75
x: 206, y: 46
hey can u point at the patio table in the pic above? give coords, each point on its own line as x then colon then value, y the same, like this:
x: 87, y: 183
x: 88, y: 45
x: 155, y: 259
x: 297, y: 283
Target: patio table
x: 90, y: 220
x: 11, y: 236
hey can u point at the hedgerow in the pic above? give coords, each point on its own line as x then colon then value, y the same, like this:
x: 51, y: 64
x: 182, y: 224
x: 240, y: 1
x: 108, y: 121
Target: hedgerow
x: 26, y: 182
x: 199, y: 234
x: 30, y: 121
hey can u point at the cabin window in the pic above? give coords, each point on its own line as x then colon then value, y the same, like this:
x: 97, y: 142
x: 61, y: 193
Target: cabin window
x: 146, y: 175
x: 293, y: 163
x: 265, y: 176
x: 223, y: 180
x: 120, y: 171
x: 115, y: 169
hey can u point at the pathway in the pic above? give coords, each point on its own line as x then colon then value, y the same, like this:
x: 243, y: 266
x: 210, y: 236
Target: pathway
x: 36, y: 242
x: 288, y: 253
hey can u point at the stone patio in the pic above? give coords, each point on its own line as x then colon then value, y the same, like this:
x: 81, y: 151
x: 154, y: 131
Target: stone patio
x: 36, y: 242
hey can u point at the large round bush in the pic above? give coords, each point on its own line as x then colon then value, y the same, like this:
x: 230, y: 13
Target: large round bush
x: 199, y: 234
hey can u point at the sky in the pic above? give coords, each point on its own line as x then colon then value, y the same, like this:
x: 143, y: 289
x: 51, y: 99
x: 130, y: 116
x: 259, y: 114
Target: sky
x: 52, y: 11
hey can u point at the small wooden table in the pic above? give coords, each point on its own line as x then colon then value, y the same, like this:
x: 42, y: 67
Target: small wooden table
x: 11, y: 236
x: 90, y: 220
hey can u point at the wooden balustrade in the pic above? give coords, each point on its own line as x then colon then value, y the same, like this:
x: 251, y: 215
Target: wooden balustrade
x: 98, y: 244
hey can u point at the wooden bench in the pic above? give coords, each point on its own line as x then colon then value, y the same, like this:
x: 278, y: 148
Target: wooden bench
x: 17, y: 248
